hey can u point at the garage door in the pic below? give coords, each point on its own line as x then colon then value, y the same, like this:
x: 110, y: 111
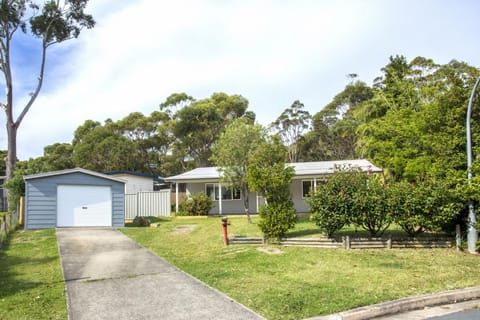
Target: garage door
x: 84, y: 206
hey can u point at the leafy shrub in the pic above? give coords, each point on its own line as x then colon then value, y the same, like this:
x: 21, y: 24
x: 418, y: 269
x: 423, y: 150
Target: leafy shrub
x: 372, y: 209
x: 268, y: 175
x: 332, y: 205
x: 197, y: 205
x: 276, y: 219
x: 426, y: 206
x: 141, y: 222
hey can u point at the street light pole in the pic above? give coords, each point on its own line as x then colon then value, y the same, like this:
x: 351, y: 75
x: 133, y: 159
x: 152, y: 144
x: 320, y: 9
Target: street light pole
x: 472, y: 232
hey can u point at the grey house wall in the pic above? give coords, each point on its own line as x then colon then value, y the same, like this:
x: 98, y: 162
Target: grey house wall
x: 236, y: 206
x: 41, y: 198
x: 228, y: 206
x: 300, y: 204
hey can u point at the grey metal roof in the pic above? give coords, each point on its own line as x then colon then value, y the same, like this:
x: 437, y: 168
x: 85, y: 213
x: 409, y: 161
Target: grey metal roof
x: 301, y: 169
x: 204, y: 173
x: 329, y: 167
x: 69, y: 171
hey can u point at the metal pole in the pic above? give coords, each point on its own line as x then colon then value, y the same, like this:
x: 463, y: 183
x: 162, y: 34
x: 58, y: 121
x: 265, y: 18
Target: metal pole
x: 472, y: 232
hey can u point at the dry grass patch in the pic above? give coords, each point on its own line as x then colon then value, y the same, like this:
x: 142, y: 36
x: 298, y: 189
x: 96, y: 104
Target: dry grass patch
x: 183, y: 229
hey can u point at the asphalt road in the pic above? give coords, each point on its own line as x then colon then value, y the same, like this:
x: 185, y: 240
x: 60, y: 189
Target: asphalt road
x: 462, y: 315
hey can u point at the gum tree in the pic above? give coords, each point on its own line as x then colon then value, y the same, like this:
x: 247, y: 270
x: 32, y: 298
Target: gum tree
x: 52, y: 22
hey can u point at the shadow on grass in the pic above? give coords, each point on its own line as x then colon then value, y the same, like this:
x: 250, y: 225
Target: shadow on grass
x: 149, y: 218
x: 303, y: 233
x: 13, y: 281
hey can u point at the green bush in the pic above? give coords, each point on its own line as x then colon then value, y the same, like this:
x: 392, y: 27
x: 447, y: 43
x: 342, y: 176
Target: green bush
x: 197, y: 205
x: 276, y: 219
x: 332, y: 205
x: 424, y: 206
x: 372, y: 210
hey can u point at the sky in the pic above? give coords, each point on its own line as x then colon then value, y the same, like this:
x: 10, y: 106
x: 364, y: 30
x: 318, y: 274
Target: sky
x: 271, y: 52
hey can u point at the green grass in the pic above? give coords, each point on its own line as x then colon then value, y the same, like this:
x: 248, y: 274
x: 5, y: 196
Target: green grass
x: 303, y: 282
x: 31, y: 279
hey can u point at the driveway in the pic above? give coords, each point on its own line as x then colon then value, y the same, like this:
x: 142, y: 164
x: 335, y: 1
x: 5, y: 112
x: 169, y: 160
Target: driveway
x: 109, y: 276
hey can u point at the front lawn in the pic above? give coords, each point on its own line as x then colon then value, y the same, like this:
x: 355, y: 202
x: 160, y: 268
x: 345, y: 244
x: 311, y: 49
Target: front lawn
x: 31, y: 278
x: 303, y: 282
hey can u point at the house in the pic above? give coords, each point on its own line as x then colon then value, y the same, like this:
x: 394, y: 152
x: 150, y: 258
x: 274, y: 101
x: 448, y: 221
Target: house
x: 307, y: 176
x: 74, y: 198
x: 135, y: 181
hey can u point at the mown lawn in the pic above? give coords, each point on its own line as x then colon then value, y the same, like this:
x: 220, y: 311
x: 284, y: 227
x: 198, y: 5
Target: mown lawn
x: 31, y: 279
x: 303, y: 282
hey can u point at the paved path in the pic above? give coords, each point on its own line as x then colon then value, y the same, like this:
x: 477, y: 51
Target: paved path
x: 109, y: 276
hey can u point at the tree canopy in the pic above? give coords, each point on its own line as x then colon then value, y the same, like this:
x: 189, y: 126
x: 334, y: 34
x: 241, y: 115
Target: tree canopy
x: 52, y: 22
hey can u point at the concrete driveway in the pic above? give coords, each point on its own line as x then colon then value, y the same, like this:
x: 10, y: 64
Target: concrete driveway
x: 109, y: 276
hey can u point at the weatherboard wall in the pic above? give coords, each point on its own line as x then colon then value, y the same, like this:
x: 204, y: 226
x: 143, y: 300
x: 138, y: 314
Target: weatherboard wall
x: 41, y: 198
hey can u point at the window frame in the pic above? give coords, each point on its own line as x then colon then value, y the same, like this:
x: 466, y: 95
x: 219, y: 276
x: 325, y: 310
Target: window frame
x: 312, y: 181
x: 226, y: 190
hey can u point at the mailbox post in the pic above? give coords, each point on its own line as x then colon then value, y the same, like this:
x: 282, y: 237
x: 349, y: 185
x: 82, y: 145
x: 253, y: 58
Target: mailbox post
x: 225, y: 233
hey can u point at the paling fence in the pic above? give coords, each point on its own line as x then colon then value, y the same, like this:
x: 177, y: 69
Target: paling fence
x: 152, y: 203
x: 8, y: 223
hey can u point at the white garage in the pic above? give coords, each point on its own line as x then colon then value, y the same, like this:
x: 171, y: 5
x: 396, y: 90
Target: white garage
x: 74, y: 198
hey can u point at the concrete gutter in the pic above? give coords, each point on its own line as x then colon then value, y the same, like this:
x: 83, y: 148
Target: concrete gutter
x: 405, y: 304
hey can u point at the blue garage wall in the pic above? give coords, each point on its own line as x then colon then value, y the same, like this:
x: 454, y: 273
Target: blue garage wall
x: 41, y: 197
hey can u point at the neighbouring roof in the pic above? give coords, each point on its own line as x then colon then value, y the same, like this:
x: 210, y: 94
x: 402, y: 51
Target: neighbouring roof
x: 156, y: 179
x: 70, y: 171
x: 204, y: 173
x: 302, y: 169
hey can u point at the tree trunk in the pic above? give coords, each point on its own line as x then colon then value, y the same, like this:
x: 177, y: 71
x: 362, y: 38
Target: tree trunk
x: 12, y: 149
x: 246, y: 204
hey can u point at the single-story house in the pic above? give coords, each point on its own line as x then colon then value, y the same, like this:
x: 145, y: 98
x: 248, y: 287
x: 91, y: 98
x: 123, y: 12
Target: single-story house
x: 74, y: 198
x: 307, y: 175
x: 135, y: 181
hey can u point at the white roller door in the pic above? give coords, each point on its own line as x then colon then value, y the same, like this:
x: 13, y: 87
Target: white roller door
x: 84, y: 206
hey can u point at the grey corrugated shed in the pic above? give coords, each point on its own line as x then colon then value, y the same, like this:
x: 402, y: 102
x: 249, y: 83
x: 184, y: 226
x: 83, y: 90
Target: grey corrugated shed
x: 41, y: 195
x: 302, y: 169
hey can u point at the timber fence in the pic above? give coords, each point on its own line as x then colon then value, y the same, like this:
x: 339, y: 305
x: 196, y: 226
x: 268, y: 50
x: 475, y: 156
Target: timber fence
x: 348, y: 242
x: 8, y: 223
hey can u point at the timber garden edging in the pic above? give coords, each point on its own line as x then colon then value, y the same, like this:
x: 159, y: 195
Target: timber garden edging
x: 348, y: 242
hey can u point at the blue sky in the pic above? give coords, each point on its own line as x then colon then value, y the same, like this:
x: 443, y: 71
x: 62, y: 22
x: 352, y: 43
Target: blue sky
x: 270, y: 51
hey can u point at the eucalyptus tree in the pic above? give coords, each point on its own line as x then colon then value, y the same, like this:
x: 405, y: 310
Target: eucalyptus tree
x: 334, y: 127
x: 52, y: 22
x: 292, y: 123
x: 198, y: 125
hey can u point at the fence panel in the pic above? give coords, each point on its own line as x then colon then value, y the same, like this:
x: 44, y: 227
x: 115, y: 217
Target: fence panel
x: 155, y: 203
x: 130, y: 206
x: 8, y: 223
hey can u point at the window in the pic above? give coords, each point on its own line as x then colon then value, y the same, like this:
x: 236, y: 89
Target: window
x: 228, y: 193
x: 307, y: 185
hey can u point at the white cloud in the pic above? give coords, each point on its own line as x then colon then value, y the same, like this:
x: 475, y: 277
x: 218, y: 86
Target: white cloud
x: 272, y: 52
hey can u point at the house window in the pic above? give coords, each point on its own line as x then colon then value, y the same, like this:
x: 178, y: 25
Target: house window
x: 309, y: 186
x: 228, y: 193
